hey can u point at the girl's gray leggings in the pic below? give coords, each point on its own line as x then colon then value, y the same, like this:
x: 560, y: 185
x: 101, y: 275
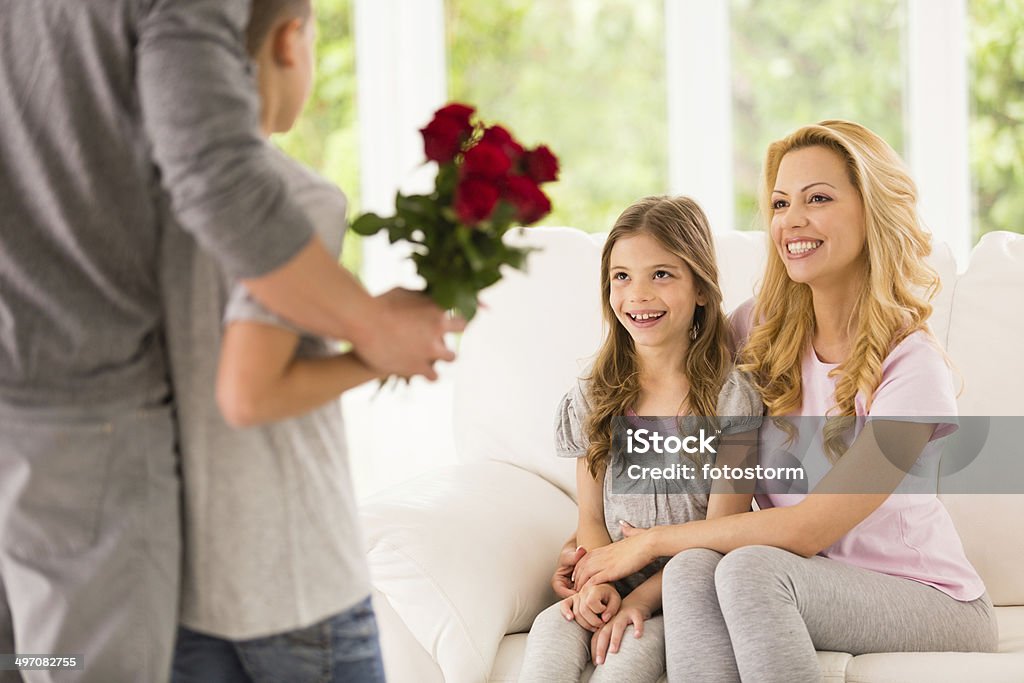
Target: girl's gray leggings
x: 759, y: 613
x: 558, y: 651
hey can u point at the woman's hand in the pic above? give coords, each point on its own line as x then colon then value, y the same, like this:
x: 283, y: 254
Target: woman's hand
x: 609, y: 637
x: 561, y: 581
x: 618, y: 560
x: 593, y: 606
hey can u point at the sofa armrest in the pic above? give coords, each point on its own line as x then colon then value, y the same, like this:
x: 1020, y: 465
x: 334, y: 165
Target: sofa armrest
x: 464, y: 555
x: 404, y: 659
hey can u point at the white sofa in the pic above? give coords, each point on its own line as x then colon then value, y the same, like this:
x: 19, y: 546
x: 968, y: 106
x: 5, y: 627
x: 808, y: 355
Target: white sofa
x: 461, y: 557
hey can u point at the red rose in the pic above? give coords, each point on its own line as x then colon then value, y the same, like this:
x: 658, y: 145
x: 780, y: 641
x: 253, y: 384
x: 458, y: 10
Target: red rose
x: 496, y: 135
x: 444, y: 135
x: 531, y: 204
x: 475, y: 200
x: 442, y: 140
x: 456, y: 112
x: 486, y: 160
x: 541, y: 165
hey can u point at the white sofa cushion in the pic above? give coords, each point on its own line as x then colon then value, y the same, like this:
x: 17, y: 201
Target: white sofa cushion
x: 404, y: 658
x: 984, y: 344
x: 987, y: 327
x: 522, y: 353
x: 1006, y: 666
x: 463, y: 555
x: 510, y: 660
x: 741, y: 260
x: 944, y: 263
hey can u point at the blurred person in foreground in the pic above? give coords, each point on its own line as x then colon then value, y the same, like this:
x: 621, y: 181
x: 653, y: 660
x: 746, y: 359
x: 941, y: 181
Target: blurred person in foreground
x: 106, y: 105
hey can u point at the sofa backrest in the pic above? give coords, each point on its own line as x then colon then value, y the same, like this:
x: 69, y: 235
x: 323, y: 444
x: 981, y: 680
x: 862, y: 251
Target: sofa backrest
x: 984, y: 342
x: 523, y: 351
x: 546, y: 326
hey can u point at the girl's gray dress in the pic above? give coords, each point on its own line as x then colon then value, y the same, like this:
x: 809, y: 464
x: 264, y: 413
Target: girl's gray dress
x: 557, y: 649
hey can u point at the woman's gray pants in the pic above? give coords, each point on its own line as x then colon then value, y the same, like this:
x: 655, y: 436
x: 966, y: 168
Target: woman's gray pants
x: 759, y: 613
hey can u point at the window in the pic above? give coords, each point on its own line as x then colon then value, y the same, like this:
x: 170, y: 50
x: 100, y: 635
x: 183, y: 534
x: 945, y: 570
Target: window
x: 326, y: 135
x: 586, y: 77
x: 795, y: 63
x: 995, y: 36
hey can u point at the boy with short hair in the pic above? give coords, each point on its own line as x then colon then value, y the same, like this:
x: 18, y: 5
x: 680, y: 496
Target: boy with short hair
x: 275, y: 582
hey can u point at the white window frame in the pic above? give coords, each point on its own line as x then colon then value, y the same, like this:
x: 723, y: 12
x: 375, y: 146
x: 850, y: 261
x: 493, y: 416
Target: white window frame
x: 700, y: 106
x: 937, y: 119
x: 401, y: 80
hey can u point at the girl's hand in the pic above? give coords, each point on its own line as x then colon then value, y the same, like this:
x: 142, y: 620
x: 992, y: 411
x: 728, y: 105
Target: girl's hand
x: 593, y: 606
x: 609, y: 637
x: 617, y: 560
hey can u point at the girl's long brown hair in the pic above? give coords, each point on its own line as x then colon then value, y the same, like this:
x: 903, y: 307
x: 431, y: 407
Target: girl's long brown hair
x: 680, y: 226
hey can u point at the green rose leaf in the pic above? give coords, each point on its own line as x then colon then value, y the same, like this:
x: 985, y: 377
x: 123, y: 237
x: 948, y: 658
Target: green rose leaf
x: 465, y: 240
x: 465, y: 303
x: 370, y: 224
x: 444, y: 293
x: 419, y: 210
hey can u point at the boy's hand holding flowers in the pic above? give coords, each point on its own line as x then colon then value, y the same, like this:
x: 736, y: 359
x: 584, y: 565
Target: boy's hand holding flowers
x: 486, y: 183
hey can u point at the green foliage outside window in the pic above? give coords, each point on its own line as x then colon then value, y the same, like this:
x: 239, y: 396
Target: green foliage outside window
x: 996, y: 38
x: 587, y: 77
x: 326, y: 136
x: 795, y: 63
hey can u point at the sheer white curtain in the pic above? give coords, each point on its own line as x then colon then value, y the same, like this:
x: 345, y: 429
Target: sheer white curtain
x: 401, y: 430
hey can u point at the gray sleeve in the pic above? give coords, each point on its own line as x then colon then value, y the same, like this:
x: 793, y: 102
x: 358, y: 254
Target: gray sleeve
x: 199, y: 110
x: 739, y: 404
x: 325, y: 206
x: 242, y: 306
x: 570, y: 423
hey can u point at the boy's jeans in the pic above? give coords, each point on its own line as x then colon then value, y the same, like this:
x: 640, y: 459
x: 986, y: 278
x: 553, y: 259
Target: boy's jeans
x: 341, y: 649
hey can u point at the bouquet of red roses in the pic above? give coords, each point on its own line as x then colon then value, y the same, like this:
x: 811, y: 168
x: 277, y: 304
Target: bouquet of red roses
x: 486, y: 183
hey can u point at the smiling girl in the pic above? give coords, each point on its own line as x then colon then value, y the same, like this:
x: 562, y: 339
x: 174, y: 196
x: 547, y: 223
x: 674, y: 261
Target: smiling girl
x: 666, y: 353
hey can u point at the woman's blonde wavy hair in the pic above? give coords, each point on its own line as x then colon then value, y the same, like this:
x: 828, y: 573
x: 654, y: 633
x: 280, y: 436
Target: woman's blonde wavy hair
x: 680, y: 226
x: 889, y: 307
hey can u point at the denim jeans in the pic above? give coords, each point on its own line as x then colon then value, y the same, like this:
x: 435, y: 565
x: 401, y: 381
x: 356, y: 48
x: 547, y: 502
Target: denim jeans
x: 341, y: 649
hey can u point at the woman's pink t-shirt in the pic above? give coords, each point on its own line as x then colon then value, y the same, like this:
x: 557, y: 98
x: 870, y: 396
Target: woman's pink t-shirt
x: 911, y: 535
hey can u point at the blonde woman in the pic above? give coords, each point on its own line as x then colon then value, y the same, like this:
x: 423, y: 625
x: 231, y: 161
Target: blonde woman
x: 838, y: 329
x: 666, y: 353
